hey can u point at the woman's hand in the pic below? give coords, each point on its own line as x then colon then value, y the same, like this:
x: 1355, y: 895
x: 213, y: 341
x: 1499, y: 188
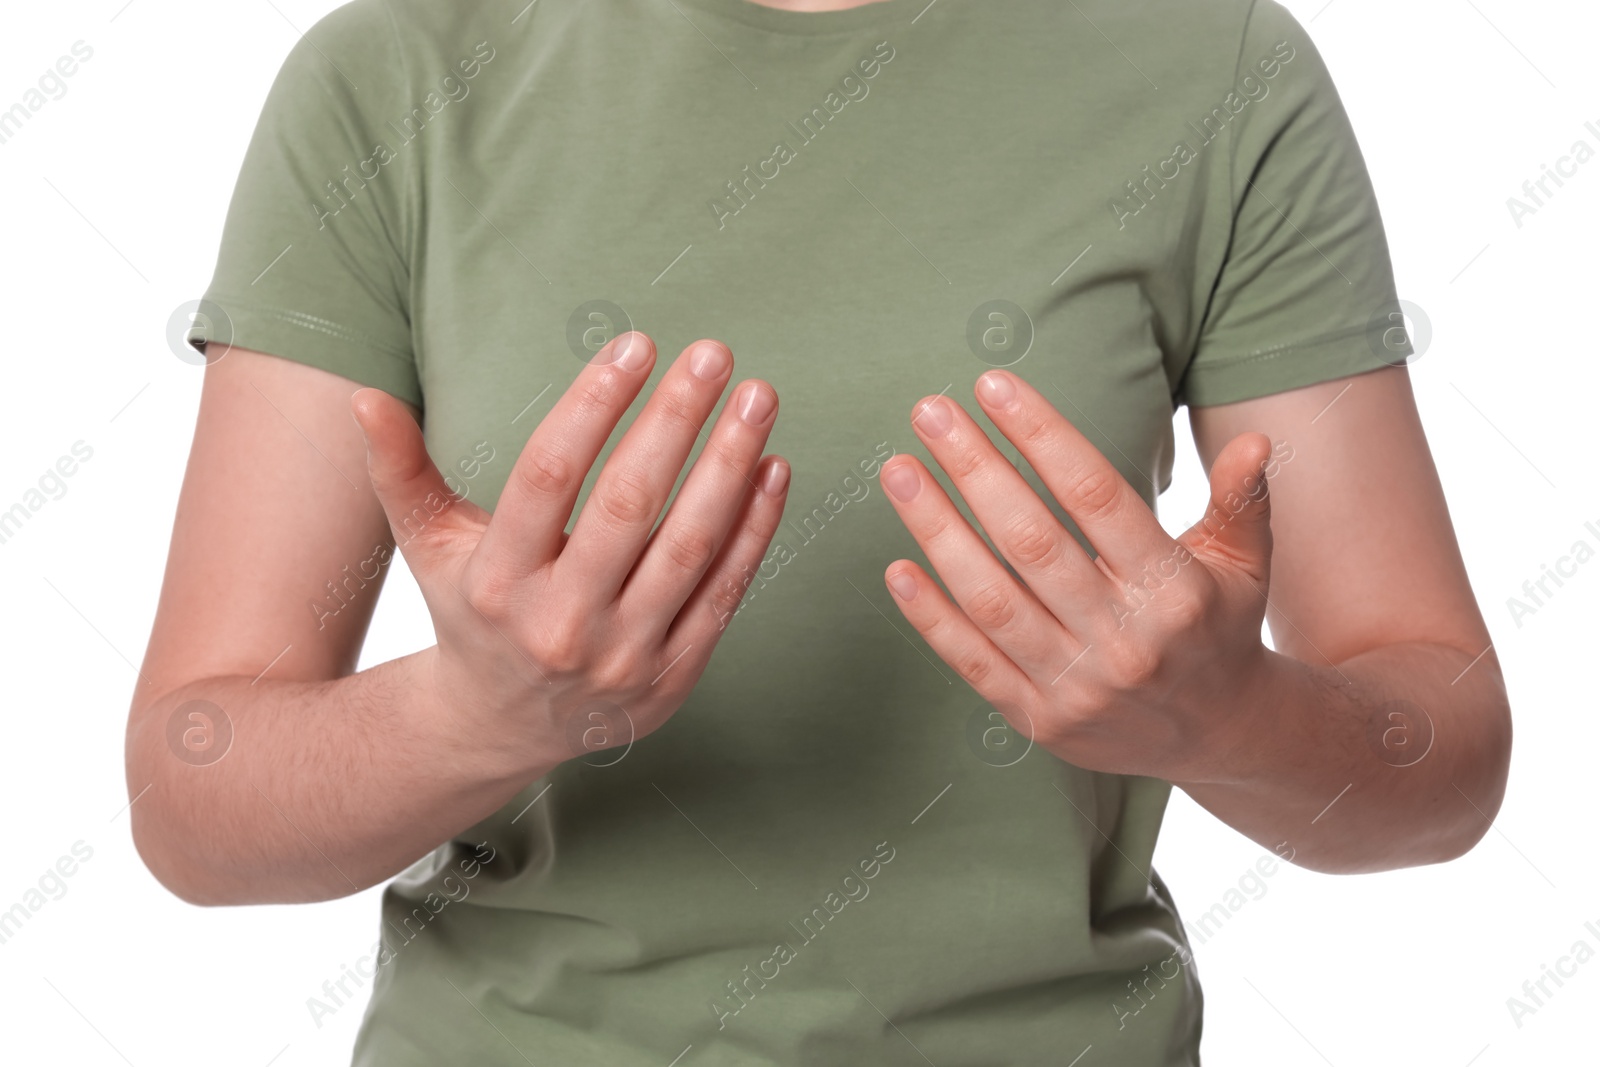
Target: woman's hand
x: 1145, y: 660
x: 550, y: 645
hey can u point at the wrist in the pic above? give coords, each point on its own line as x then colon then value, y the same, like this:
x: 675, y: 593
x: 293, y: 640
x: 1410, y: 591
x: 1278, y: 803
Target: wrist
x: 492, y: 735
x: 1245, y: 743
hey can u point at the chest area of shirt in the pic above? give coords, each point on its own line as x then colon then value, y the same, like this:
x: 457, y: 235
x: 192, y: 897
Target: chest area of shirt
x: 858, y: 230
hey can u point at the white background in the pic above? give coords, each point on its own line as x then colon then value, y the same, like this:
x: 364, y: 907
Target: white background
x: 114, y: 197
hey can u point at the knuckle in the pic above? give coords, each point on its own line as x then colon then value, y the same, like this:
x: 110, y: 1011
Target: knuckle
x: 763, y: 520
x: 992, y: 607
x: 594, y: 396
x: 968, y: 658
x: 546, y: 472
x: 1186, y: 608
x: 492, y: 594
x: 726, y: 593
x: 678, y: 406
x: 1132, y: 662
x: 939, y: 529
x: 1031, y: 544
x: 1032, y: 428
x: 964, y: 461
x: 974, y: 667
x: 1096, y: 492
x: 559, y: 649
x: 719, y: 453
x: 626, y: 498
x: 688, y: 547
x: 615, y: 673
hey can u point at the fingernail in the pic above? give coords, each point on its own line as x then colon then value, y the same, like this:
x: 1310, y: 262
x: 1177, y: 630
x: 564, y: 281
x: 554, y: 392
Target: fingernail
x: 902, y: 481
x: 934, y: 418
x: 631, y: 351
x: 757, y: 404
x: 904, y: 586
x: 775, y: 479
x: 709, y: 361
x: 997, y: 389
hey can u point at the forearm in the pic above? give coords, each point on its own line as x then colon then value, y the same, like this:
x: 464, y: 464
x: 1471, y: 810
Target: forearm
x: 1321, y: 764
x: 326, y: 788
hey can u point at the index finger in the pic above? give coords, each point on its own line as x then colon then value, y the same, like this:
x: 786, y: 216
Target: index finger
x: 1112, y: 515
x: 525, y: 533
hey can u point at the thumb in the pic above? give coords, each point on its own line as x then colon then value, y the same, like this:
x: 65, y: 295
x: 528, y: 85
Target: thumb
x: 1237, y: 526
x: 413, y: 493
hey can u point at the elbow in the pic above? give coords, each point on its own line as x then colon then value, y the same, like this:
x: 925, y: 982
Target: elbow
x: 173, y: 843
x: 1468, y: 768
x: 1478, y: 787
x: 176, y: 871
x: 170, y: 839
x: 199, y: 862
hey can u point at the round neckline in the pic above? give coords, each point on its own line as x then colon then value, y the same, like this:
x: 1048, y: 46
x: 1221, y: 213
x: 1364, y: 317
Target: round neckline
x: 808, y: 23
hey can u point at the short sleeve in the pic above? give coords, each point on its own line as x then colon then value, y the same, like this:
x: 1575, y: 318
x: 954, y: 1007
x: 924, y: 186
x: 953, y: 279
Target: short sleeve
x: 313, y: 264
x: 1306, y: 289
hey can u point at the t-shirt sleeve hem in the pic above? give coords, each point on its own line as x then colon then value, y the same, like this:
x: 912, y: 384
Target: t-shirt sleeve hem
x: 321, y: 343
x: 1284, y: 367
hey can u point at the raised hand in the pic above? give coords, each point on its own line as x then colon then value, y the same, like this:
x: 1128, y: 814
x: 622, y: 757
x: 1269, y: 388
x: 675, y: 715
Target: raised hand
x: 1136, y: 661
x: 537, y: 629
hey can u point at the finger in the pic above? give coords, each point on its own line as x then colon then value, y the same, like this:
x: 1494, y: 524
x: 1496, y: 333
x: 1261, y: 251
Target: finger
x: 714, y: 602
x: 681, y: 550
x: 1002, y: 607
x: 1238, y: 523
x: 954, y: 636
x: 419, y: 505
x: 632, y: 488
x: 526, y: 532
x: 1022, y: 526
x: 1110, y: 512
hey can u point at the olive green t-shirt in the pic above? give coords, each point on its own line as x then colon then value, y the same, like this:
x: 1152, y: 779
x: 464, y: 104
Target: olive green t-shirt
x: 833, y: 854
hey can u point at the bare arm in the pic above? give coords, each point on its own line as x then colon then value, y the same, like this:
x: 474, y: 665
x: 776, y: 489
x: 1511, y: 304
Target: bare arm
x: 334, y: 781
x: 1384, y: 692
